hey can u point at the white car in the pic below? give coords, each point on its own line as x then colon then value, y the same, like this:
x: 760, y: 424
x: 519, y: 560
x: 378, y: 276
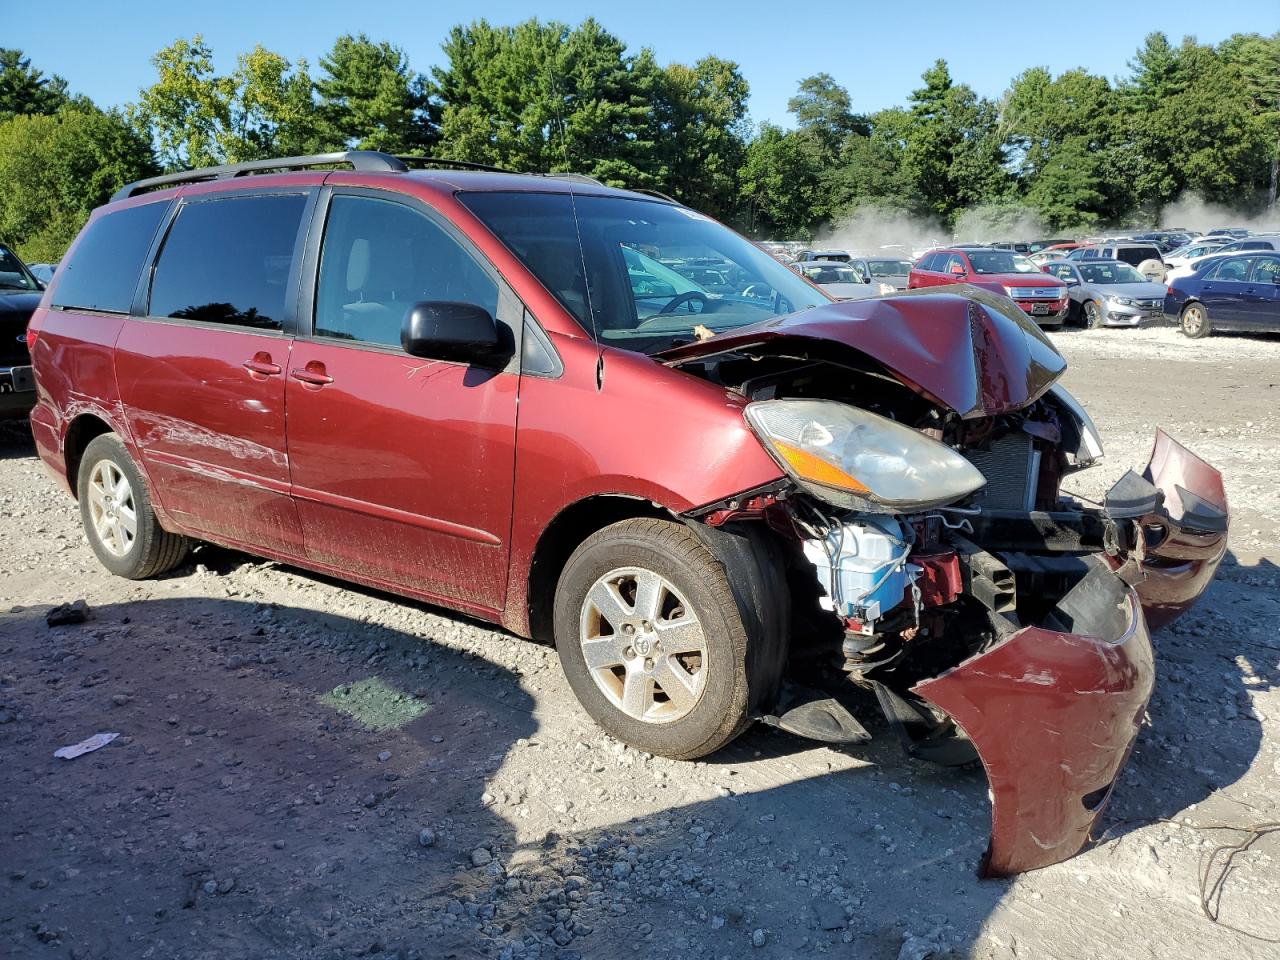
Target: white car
x: 1189, y: 251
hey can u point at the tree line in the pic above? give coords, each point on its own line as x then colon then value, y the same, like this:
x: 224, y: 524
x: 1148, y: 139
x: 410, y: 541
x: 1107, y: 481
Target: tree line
x: 1077, y: 150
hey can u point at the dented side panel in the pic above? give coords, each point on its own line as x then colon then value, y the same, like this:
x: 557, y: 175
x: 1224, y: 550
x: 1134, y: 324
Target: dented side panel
x: 1053, y: 716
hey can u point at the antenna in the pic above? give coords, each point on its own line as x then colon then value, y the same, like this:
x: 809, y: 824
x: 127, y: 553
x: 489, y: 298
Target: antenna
x: 586, y: 281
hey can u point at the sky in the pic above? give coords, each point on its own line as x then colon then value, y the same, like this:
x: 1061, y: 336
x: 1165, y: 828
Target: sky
x: 877, y: 51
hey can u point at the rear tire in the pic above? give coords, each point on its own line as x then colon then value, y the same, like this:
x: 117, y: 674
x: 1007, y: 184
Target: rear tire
x: 1194, y: 321
x: 652, y: 608
x: 115, y: 509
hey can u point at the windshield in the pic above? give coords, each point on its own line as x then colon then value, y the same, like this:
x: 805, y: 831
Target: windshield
x: 13, y: 275
x: 647, y: 275
x: 830, y: 273
x: 1110, y: 273
x: 889, y: 268
x: 1000, y: 261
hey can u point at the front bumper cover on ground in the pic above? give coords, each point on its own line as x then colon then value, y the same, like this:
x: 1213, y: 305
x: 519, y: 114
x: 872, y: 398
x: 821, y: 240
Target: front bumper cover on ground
x: 1053, y: 710
x: 1053, y: 715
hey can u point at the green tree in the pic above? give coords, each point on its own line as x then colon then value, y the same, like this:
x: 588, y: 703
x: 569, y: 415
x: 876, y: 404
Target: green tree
x: 781, y: 183
x: 370, y: 98
x: 547, y: 97
x: 700, y: 133
x: 1063, y: 134
x: 188, y: 108
x: 272, y: 111
x: 823, y: 110
x: 1258, y: 60
x: 54, y: 169
x: 950, y: 149
x: 1191, y: 128
x: 24, y: 89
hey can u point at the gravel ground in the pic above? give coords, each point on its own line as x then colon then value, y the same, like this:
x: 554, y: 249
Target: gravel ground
x: 305, y: 769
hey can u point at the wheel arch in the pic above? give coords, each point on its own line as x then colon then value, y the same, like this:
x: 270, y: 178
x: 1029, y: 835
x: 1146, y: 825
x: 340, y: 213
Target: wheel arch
x: 566, y: 531
x: 80, y: 433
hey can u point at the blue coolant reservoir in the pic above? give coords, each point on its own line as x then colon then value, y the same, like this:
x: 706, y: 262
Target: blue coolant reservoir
x: 862, y: 566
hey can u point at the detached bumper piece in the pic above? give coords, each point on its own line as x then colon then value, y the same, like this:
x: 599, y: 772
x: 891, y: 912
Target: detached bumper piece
x: 1185, y: 536
x: 1053, y: 711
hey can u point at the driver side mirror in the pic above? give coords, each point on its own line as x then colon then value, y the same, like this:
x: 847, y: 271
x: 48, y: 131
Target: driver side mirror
x: 447, y: 330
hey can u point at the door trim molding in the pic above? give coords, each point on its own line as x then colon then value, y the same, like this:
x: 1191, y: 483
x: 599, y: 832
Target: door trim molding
x: 461, y: 531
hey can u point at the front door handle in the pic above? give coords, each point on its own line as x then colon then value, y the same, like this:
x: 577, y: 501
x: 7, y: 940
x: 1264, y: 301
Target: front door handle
x: 313, y: 374
x: 261, y: 365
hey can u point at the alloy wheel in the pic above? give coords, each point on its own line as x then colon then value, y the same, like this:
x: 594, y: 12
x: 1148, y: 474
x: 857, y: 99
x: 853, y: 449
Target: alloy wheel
x: 1193, y: 320
x: 643, y: 645
x: 112, y: 509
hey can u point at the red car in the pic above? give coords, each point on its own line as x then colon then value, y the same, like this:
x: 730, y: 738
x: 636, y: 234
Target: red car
x: 498, y: 393
x: 1002, y: 272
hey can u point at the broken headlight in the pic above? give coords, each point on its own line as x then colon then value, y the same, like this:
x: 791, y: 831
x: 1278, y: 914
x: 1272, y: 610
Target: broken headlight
x: 852, y: 458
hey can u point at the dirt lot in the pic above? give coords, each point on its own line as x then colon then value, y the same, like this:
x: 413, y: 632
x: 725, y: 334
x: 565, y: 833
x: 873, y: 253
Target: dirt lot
x: 310, y: 770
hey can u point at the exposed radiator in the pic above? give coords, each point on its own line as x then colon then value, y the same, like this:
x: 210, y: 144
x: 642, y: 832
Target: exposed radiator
x: 1012, y: 467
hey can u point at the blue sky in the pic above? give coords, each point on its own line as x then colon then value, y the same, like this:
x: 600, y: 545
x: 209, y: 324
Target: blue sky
x: 876, y: 50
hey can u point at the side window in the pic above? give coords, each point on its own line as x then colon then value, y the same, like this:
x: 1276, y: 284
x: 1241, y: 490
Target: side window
x: 951, y: 262
x: 1266, y: 270
x: 1233, y: 269
x: 379, y: 258
x: 228, y: 261
x: 103, y: 270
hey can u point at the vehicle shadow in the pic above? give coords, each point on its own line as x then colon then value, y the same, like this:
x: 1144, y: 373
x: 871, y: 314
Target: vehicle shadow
x: 275, y: 769
x: 247, y: 811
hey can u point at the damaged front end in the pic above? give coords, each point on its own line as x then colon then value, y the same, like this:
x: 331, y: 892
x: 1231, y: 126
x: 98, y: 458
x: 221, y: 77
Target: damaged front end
x: 936, y: 562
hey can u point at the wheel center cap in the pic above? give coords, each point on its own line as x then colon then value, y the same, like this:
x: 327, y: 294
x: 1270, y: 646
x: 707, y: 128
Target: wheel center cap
x: 642, y: 645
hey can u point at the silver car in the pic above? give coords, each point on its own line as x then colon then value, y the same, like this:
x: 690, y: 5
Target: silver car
x: 890, y: 270
x: 1108, y: 293
x: 841, y: 280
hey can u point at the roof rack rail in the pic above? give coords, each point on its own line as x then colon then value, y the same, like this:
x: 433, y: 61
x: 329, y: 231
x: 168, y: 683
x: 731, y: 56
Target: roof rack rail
x: 649, y: 191
x: 364, y: 160
x: 459, y: 164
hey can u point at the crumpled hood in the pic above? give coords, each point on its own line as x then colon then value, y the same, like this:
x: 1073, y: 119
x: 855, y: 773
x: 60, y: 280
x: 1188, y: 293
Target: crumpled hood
x: 967, y: 349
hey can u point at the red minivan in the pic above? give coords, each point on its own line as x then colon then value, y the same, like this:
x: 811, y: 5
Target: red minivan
x: 506, y: 394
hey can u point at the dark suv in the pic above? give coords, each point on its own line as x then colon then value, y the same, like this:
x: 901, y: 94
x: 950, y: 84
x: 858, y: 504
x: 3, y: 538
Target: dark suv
x: 490, y: 391
x: 19, y: 295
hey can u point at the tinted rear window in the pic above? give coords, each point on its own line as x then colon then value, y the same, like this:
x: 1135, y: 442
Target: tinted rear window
x: 103, y: 269
x: 228, y: 261
x: 1136, y: 255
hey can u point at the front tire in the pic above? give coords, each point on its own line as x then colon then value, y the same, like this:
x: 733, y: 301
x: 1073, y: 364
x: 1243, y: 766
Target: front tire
x: 653, y: 642
x: 1090, y: 315
x: 1194, y: 322
x: 115, y: 509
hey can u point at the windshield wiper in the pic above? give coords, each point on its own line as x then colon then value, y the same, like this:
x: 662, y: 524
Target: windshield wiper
x: 13, y: 286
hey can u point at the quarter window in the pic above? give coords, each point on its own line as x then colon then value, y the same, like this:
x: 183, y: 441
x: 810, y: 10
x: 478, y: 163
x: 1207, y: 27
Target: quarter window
x: 103, y: 269
x: 378, y: 259
x: 228, y: 261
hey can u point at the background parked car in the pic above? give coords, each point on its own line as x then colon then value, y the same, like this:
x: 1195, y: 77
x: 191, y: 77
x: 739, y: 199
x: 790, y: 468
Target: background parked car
x: 839, y: 256
x: 894, y: 271
x: 1190, y: 251
x: 842, y: 280
x: 43, y: 271
x: 19, y: 294
x: 1108, y: 293
x: 1000, y: 271
x: 1145, y: 257
x: 1233, y: 292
